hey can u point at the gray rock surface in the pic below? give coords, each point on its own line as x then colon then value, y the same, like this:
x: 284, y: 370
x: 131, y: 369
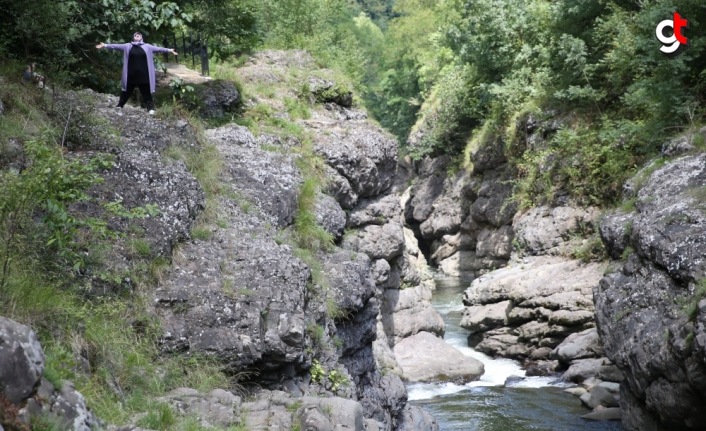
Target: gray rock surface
x: 415, y: 419
x: 378, y: 242
x: 218, y: 408
x: 142, y: 175
x: 649, y: 308
x: 261, y: 178
x: 214, y: 99
x: 330, y: 216
x: 23, y: 361
x: 532, y: 304
x: 426, y: 358
x: 546, y: 230
x: 607, y: 414
x: 358, y: 151
x: 407, y: 312
x: 579, y: 345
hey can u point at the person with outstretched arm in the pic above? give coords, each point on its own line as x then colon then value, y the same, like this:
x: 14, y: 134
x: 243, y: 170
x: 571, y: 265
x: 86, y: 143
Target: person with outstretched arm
x: 138, y: 68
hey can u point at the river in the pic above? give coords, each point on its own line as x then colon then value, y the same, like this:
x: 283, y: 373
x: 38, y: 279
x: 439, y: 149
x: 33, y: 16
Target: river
x: 536, y: 403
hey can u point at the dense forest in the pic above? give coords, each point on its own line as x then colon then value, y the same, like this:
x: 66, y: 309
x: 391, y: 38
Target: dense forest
x: 446, y: 77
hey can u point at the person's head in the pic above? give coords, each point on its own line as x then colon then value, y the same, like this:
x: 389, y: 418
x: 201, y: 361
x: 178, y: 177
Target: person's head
x: 137, y: 37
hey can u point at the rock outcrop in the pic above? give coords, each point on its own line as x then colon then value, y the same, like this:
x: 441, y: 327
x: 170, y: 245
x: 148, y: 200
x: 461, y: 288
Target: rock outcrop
x: 530, y: 305
x: 27, y: 396
x: 464, y: 218
x: 651, y: 307
x: 248, y: 296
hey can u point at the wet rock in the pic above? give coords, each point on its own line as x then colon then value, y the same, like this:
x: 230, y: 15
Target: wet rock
x: 416, y: 419
x: 607, y: 414
x: 599, y: 396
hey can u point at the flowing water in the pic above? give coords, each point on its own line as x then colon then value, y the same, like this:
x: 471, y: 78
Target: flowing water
x: 535, y: 403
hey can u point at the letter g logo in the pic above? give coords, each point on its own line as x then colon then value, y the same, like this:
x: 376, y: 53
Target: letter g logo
x: 671, y: 44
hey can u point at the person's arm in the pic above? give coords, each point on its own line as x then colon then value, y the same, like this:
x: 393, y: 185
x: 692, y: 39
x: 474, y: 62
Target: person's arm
x: 115, y: 46
x: 160, y: 49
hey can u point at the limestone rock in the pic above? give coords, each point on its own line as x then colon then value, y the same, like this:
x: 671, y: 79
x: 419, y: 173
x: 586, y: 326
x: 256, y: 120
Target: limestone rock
x: 547, y: 230
x: 426, y: 358
x: 361, y: 153
x: 330, y: 216
x: 409, y: 311
x: 378, y: 242
x: 485, y: 317
x: 377, y: 211
x: 580, y: 345
x: 267, y: 180
x: 416, y: 419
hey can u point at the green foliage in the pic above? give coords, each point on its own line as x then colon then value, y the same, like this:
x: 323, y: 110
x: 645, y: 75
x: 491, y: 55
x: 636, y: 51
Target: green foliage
x: 317, y: 372
x: 466, y: 63
x: 583, y: 161
x: 160, y: 417
x: 333, y: 379
x: 229, y: 26
x: 316, y: 333
x: 591, y: 250
x: 60, y: 35
x: 180, y: 91
x: 43, y: 192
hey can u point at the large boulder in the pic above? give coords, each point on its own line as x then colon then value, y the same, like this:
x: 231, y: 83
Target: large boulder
x: 214, y: 99
x: 407, y: 312
x: 535, y: 303
x: 144, y: 176
x: 550, y: 230
x: 426, y: 358
x: 360, y: 152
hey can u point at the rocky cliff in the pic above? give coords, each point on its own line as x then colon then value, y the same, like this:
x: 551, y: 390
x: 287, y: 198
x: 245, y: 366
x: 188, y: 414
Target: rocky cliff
x: 307, y: 330
x: 650, y: 307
